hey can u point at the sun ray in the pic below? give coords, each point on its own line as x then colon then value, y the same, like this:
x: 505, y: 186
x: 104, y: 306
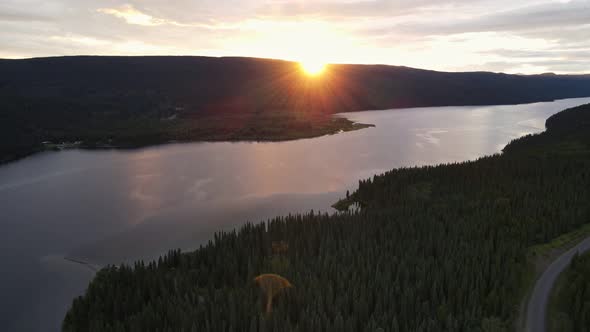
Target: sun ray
x: 312, y: 68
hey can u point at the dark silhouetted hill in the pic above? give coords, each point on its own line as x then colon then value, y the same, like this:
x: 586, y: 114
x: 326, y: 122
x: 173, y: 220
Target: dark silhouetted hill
x: 134, y: 101
x: 213, y: 84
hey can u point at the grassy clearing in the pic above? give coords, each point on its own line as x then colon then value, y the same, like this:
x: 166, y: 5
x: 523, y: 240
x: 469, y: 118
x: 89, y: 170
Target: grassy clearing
x: 562, y: 243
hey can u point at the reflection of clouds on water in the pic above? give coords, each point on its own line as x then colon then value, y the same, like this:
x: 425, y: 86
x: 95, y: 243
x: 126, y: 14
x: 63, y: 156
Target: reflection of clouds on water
x: 483, y: 111
x: 146, y: 176
x: 274, y: 164
x: 364, y: 154
x: 196, y: 190
x: 430, y: 136
x: 35, y: 180
x: 140, y: 191
x: 139, y: 194
x: 145, y: 154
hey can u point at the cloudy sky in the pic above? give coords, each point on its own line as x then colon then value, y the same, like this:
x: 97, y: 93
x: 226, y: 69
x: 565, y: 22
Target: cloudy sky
x: 525, y: 36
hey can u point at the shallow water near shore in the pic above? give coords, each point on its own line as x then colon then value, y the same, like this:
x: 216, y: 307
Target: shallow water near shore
x: 111, y: 206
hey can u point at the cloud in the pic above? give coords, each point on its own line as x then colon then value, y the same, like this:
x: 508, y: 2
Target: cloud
x: 333, y: 8
x: 362, y: 8
x: 538, y: 17
x: 24, y: 17
x: 29, y: 10
x: 133, y: 16
x: 498, y: 35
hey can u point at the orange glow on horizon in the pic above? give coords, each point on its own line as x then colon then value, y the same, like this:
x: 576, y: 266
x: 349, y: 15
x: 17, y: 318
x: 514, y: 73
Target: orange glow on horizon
x: 312, y: 68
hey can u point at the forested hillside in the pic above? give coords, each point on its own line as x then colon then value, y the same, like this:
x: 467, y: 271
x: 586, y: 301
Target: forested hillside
x: 573, y: 298
x: 135, y: 101
x: 438, y: 248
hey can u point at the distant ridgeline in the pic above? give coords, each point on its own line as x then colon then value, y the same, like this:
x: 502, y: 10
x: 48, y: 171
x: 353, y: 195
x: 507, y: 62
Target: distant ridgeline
x: 135, y: 101
x: 436, y: 248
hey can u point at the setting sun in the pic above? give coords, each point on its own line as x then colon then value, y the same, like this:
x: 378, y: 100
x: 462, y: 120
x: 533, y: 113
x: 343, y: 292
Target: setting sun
x: 312, y: 68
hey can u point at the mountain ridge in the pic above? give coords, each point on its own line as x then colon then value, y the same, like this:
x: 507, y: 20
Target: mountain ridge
x: 140, y: 100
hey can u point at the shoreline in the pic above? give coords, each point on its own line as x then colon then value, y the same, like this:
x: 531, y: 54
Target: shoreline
x: 351, y: 126
x: 341, y: 115
x: 81, y: 262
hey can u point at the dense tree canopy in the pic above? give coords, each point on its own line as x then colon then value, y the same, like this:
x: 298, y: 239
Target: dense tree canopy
x: 573, y: 297
x: 437, y: 248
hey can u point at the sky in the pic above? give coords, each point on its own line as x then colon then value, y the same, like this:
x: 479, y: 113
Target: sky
x: 522, y: 36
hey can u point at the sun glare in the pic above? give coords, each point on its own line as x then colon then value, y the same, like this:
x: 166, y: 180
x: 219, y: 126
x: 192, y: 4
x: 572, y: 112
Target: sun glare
x: 312, y: 68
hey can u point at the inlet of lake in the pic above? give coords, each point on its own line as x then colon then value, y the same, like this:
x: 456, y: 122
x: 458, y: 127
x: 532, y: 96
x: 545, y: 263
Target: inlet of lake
x: 59, y: 209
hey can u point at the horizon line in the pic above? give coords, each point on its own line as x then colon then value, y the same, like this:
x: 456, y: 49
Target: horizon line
x: 277, y: 59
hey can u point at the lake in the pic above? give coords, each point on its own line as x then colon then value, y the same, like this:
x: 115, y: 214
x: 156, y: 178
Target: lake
x: 112, y: 206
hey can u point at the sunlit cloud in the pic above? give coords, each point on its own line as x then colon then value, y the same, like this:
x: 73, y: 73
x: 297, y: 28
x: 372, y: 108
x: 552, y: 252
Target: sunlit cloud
x: 299, y: 40
x: 527, y: 36
x: 87, y: 41
x: 132, y: 16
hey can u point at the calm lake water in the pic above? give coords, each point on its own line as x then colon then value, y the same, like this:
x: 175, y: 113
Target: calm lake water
x: 112, y: 206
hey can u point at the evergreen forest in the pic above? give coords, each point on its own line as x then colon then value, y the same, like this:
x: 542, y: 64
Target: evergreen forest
x: 436, y: 248
x: 572, y: 301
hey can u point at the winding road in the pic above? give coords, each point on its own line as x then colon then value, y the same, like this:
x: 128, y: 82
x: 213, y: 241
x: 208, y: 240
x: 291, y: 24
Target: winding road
x: 537, y: 307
